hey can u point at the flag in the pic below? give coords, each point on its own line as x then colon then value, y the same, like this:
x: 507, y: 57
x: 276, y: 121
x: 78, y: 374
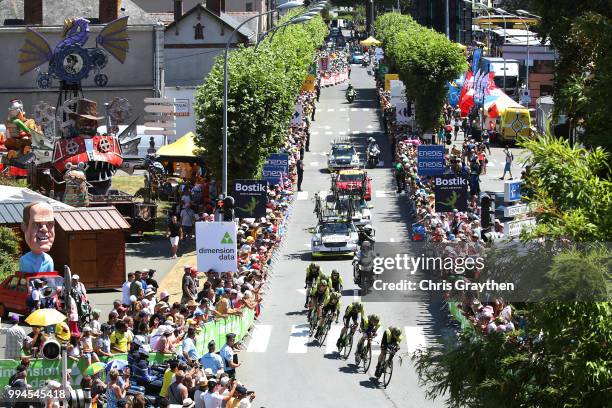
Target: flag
x: 476, y: 59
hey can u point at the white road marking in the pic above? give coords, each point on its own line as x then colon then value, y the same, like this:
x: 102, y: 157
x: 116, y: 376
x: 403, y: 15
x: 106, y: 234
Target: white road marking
x: 323, y: 193
x: 330, y: 109
x: 369, y: 131
x: 354, y: 109
x: 365, y: 109
x: 314, y: 133
x: 314, y: 164
x: 415, y: 338
x: 376, y: 347
x: 298, y: 339
x: 342, y: 109
x: 355, y: 131
x: 329, y: 133
x: 326, y: 127
x: 356, y: 297
x: 302, y: 195
x: 260, y: 338
x: 302, y: 291
x: 332, y: 336
x: 370, y: 127
x: 391, y: 239
x: 382, y: 194
x: 342, y: 132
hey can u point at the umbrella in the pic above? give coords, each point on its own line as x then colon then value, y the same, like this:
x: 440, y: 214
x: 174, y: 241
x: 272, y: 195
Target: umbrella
x: 95, y: 368
x: 370, y: 41
x: 116, y: 365
x: 45, y: 317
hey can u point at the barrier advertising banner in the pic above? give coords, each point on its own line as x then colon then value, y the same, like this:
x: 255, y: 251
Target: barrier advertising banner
x: 216, y: 246
x: 278, y: 159
x: 451, y: 193
x: 273, y: 175
x: 388, y: 79
x: 430, y: 160
x: 250, y: 198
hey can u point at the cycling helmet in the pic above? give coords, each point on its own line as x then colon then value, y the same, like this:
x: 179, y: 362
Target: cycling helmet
x: 374, y: 318
x: 395, y: 332
x: 336, y: 295
x: 371, y: 140
x: 323, y: 282
x: 367, y: 228
x: 314, y: 266
x: 358, y: 306
x: 139, y: 341
x: 335, y: 273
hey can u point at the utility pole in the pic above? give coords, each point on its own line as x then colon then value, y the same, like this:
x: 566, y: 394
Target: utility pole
x: 447, y: 20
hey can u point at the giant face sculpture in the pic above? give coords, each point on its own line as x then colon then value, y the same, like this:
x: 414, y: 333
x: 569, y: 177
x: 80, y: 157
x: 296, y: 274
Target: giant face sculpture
x: 38, y: 227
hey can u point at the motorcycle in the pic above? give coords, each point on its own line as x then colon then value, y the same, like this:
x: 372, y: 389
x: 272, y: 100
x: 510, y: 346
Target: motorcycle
x: 362, y: 274
x: 350, y: 96
x: 373, y: 154
x: 365, y: 62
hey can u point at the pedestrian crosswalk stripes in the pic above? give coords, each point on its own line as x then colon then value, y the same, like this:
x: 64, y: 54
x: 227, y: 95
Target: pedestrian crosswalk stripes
x: 330, y: 109
x: 260, y: 337
x: 342, y: 109
x: 301, y: 343
x: 382, y: 193
x: 329, y: 132
x: 298, y: 339
x: 314, y: 164
x: 415, y: 338
x: 302, y: 195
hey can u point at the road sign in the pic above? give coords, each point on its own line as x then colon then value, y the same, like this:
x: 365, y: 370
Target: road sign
x: 514, y: 210
x: 163, y: 125
x: 216, y: 247
x: 514, y: 228
x: 159, y: 108
x: 169, y: 101
x: 512, y: 190
x: 160, y: 132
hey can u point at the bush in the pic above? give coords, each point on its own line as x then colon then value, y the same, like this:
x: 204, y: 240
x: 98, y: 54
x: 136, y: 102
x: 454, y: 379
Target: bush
x: 263, y: 86
x: 9, y: 252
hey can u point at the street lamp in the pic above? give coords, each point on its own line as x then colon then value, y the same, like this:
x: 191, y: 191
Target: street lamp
x: 281, y: 7
x: 521, y: 14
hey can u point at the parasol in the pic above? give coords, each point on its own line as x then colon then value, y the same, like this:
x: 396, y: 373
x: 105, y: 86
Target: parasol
x: 370, y: 41
x: 45, y: 317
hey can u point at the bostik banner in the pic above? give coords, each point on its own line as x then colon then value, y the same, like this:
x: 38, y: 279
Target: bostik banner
x: 251, y: 197
x: 451, y: 193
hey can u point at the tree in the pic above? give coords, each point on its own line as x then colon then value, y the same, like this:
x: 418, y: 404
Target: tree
x: 263, y: 86
x: 581, y: 32
x: 560, y: 356
x: 9, y: 252
x: 425, y: 61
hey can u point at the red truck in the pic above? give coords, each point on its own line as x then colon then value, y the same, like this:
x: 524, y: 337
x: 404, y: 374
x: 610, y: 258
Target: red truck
x: 16, y: 289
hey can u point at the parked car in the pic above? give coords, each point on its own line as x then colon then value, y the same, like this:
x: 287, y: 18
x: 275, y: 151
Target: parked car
x: 16, y: 289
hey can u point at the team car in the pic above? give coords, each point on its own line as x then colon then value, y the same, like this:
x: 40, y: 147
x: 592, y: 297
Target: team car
x: 334, y: 237
x: 342, y: 156
x: 352, y: 179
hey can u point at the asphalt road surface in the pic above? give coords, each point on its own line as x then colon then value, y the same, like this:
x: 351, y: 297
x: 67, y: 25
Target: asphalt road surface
x: 281, y: 363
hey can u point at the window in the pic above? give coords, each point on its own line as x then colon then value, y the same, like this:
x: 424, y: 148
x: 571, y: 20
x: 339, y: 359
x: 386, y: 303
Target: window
x: 13, y: 283
x: 546, y: 90
x: 198, y: 31
x: 248, y: 7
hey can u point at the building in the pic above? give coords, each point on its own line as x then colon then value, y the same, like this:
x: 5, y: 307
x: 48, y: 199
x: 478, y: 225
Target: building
x: 138, y: 77
x: 432, y: 13
x: 192, y: 42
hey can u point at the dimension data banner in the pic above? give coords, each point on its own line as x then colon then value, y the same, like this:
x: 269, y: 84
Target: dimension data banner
x: 216, y: 246
x: 250, y: 197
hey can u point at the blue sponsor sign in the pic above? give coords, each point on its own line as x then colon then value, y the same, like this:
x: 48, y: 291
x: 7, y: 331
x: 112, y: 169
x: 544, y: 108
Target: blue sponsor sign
x: 272, y: 174
x: 279, y: 160
x: 430, y: 160
x: 512, y: 190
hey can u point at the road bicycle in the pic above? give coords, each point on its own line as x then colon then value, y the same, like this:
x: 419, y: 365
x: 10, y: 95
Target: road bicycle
x: 323, y: 331
x: 386, y: 371
x: 313, y: 321
x: 364, y: 356
x: 308, y: 288
x: 346, y: 343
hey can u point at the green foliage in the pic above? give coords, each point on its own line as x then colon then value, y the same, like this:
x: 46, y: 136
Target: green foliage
x: 425, y: 61
x: 9, y: 252
x: 263, y: 86
x: 561, y: 356
x: 571, y: 197
x: 581, y: 33
x: 13, y: 182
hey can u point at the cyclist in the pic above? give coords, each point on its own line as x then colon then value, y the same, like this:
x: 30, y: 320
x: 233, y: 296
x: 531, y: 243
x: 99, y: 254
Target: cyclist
x: 391, y: 337
x: 332, y: 305
x: 369, y: 327
x: 319, y: 295
x: 352, y: 312
x: 313, y: 273
x: 335, y: 281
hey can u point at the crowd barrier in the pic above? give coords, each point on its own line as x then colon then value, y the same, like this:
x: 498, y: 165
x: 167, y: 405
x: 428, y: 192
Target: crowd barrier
x: 328, y: 79
x: 41, y: 369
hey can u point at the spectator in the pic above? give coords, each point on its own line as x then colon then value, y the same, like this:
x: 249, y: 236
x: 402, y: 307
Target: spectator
x: 175, y: 233
x: 177, y: 392
x: 115, y: 392
x: 95, y: 323
x: 198, y: 395
x: 211, y: 359
x: 188, y: 347
x: 152, y: 282
x: 34, y: 342
x: 120, y: 339
x: 215, y: 398
x: 168, y: 377
x: 87, y: 346
x: 190, y: 290
x: 136, y: 286
x: 187, y: 218
x: 230, y: 359
x: 15, y: 335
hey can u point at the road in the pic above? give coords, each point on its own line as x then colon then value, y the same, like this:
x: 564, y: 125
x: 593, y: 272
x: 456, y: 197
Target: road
x: 280, y: 362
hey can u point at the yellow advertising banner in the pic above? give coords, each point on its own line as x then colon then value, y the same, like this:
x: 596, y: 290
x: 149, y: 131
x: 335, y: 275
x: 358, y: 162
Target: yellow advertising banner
x: 388, y: 79
x: 309, y: 84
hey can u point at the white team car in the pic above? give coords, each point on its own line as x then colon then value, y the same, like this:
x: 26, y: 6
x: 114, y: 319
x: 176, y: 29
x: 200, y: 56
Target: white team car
x: 333, y: 238
x: 342, y: 156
